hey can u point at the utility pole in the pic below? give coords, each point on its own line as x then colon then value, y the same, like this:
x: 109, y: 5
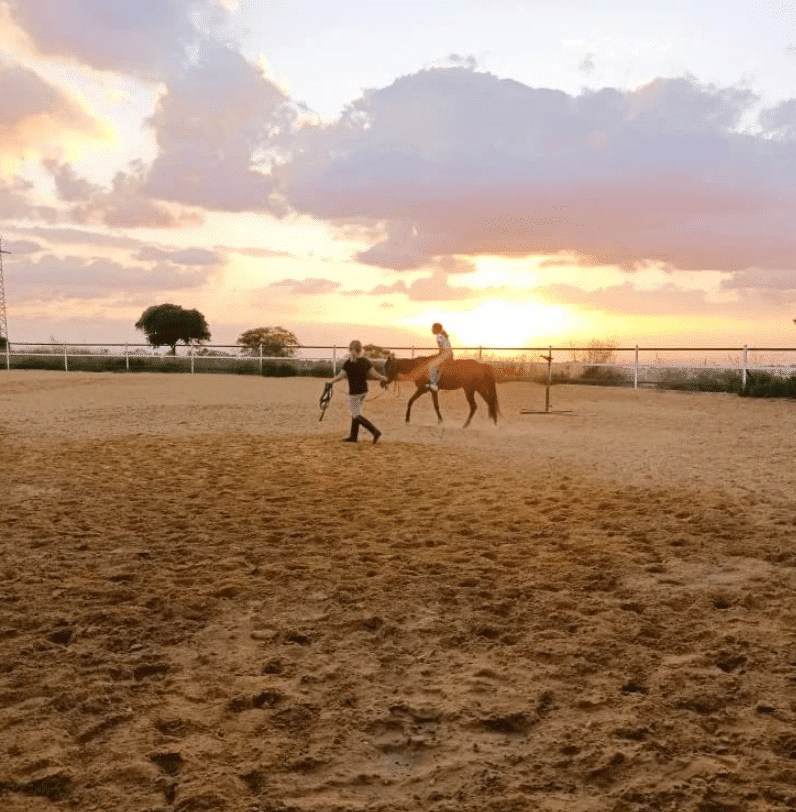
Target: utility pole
x: 3, y: 316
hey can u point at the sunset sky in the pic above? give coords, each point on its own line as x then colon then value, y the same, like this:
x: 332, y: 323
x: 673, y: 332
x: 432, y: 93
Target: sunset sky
x: 526, y: 173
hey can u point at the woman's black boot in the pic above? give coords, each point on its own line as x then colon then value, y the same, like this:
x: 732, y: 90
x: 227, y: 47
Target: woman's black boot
x: 371, y: 428
x: 352, y: 438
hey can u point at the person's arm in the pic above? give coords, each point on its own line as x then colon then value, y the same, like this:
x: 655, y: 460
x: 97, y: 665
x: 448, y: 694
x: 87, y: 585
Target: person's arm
x: 377, y: 376
x: 339, y: 377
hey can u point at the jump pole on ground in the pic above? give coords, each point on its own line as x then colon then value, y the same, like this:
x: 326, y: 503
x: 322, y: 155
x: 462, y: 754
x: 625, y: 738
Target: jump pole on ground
x: 547, y: 409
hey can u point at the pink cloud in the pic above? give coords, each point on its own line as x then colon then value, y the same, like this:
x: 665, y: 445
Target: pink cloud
x: 307, y: 287
x: 216, y: 129
x: 38, y: 118
x: 76, y: 236
x: 145, y: 38
x: 453, y: 161
x: 16, y: 202
x: 73, y: 277
x: 760, y: 278
x: 124, y: 205
x: 668, y: 300
x: 184, y: 256
x: 434, y: 288
x: 257, y: 253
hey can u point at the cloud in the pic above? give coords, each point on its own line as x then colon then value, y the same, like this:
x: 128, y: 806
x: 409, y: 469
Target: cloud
x: 307, y: 287
x: 75, y: 236
x: 257, y: 253
x: 39, y: 119
x: 401, y: 250
x: 468, y: 61
x: 16, y: 202
x: 68, y: 184
x: 626, y: 299
x: 397, y: 287
x: 124, y: 205
x: 434, y: 288
x: 146, y: 38
x: 73, y: 277
x: 22, y: 247
x: 587, y: 64
x: 185, y: 256
x: 780, y: 121
x: 456, y: 162
x: 760, y: 279
x: 217, y: 129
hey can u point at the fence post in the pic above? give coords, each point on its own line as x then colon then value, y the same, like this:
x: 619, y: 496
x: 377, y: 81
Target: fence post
x: 745, y: 359
x: 413, y: 350
x: 480, y: 352
x: 126, y: 358
x: 8, y: 354
x: 635, y: 374
x: 191, y: 359
x: 334, y: 360
x: 66, y: 362
x: 549, y: 378
x: 261, y: 358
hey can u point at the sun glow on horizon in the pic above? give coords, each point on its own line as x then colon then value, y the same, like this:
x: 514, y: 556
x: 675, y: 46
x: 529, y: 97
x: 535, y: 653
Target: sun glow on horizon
x: 500, y: 323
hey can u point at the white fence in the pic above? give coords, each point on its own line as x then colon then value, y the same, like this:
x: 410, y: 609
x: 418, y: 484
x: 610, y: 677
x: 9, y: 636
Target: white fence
x: 524, y: 361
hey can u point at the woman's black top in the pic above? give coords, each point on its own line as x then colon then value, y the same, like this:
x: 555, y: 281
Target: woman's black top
x: 357, y: 372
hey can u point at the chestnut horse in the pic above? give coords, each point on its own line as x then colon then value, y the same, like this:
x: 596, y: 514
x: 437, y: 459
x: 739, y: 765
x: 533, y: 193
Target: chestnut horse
x: 472, y: 376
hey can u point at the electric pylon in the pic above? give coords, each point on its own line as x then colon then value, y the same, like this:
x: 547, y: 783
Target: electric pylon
x: 3, y: 316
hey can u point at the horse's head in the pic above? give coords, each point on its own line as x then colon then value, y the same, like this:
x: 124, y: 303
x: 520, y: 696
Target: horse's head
x: 391, y: 368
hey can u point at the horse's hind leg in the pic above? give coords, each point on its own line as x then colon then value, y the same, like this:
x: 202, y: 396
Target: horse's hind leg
x: 470, y: 395
x: 435, y: 398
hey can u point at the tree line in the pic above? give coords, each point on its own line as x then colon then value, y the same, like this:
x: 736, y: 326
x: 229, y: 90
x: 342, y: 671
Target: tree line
x: 166, y: 325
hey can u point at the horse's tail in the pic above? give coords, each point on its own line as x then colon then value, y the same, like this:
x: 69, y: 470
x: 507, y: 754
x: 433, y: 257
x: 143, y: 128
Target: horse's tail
x: 491, y: 394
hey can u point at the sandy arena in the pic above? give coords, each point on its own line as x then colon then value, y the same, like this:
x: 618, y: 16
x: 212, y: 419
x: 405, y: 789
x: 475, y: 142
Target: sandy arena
x: 208, y: 602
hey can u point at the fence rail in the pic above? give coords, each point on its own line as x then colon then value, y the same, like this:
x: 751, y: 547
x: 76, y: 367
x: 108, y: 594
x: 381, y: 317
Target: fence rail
x: 742, y: 360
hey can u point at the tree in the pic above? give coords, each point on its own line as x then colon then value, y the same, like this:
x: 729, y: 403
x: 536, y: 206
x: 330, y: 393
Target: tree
x: 166, y: 324
x: 375, y: 352
x: 276, y: 342
x: 596, y: 352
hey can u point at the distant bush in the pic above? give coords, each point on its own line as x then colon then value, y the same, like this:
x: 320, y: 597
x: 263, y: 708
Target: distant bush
x: 712, y: 380
x: 27, y: 362
x: 605, y: 376
x: 702, y: 380
x: 274, y: 369
x: 766, y: 385
x: 206, y: 362
x: 321, y: 369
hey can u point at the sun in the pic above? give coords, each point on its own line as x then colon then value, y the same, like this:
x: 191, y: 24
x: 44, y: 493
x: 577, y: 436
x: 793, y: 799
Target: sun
x: 501, y: 323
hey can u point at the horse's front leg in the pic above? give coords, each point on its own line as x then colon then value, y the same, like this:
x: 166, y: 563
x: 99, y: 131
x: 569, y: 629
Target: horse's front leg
x: 435, y: 398
x: 420, y: 391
